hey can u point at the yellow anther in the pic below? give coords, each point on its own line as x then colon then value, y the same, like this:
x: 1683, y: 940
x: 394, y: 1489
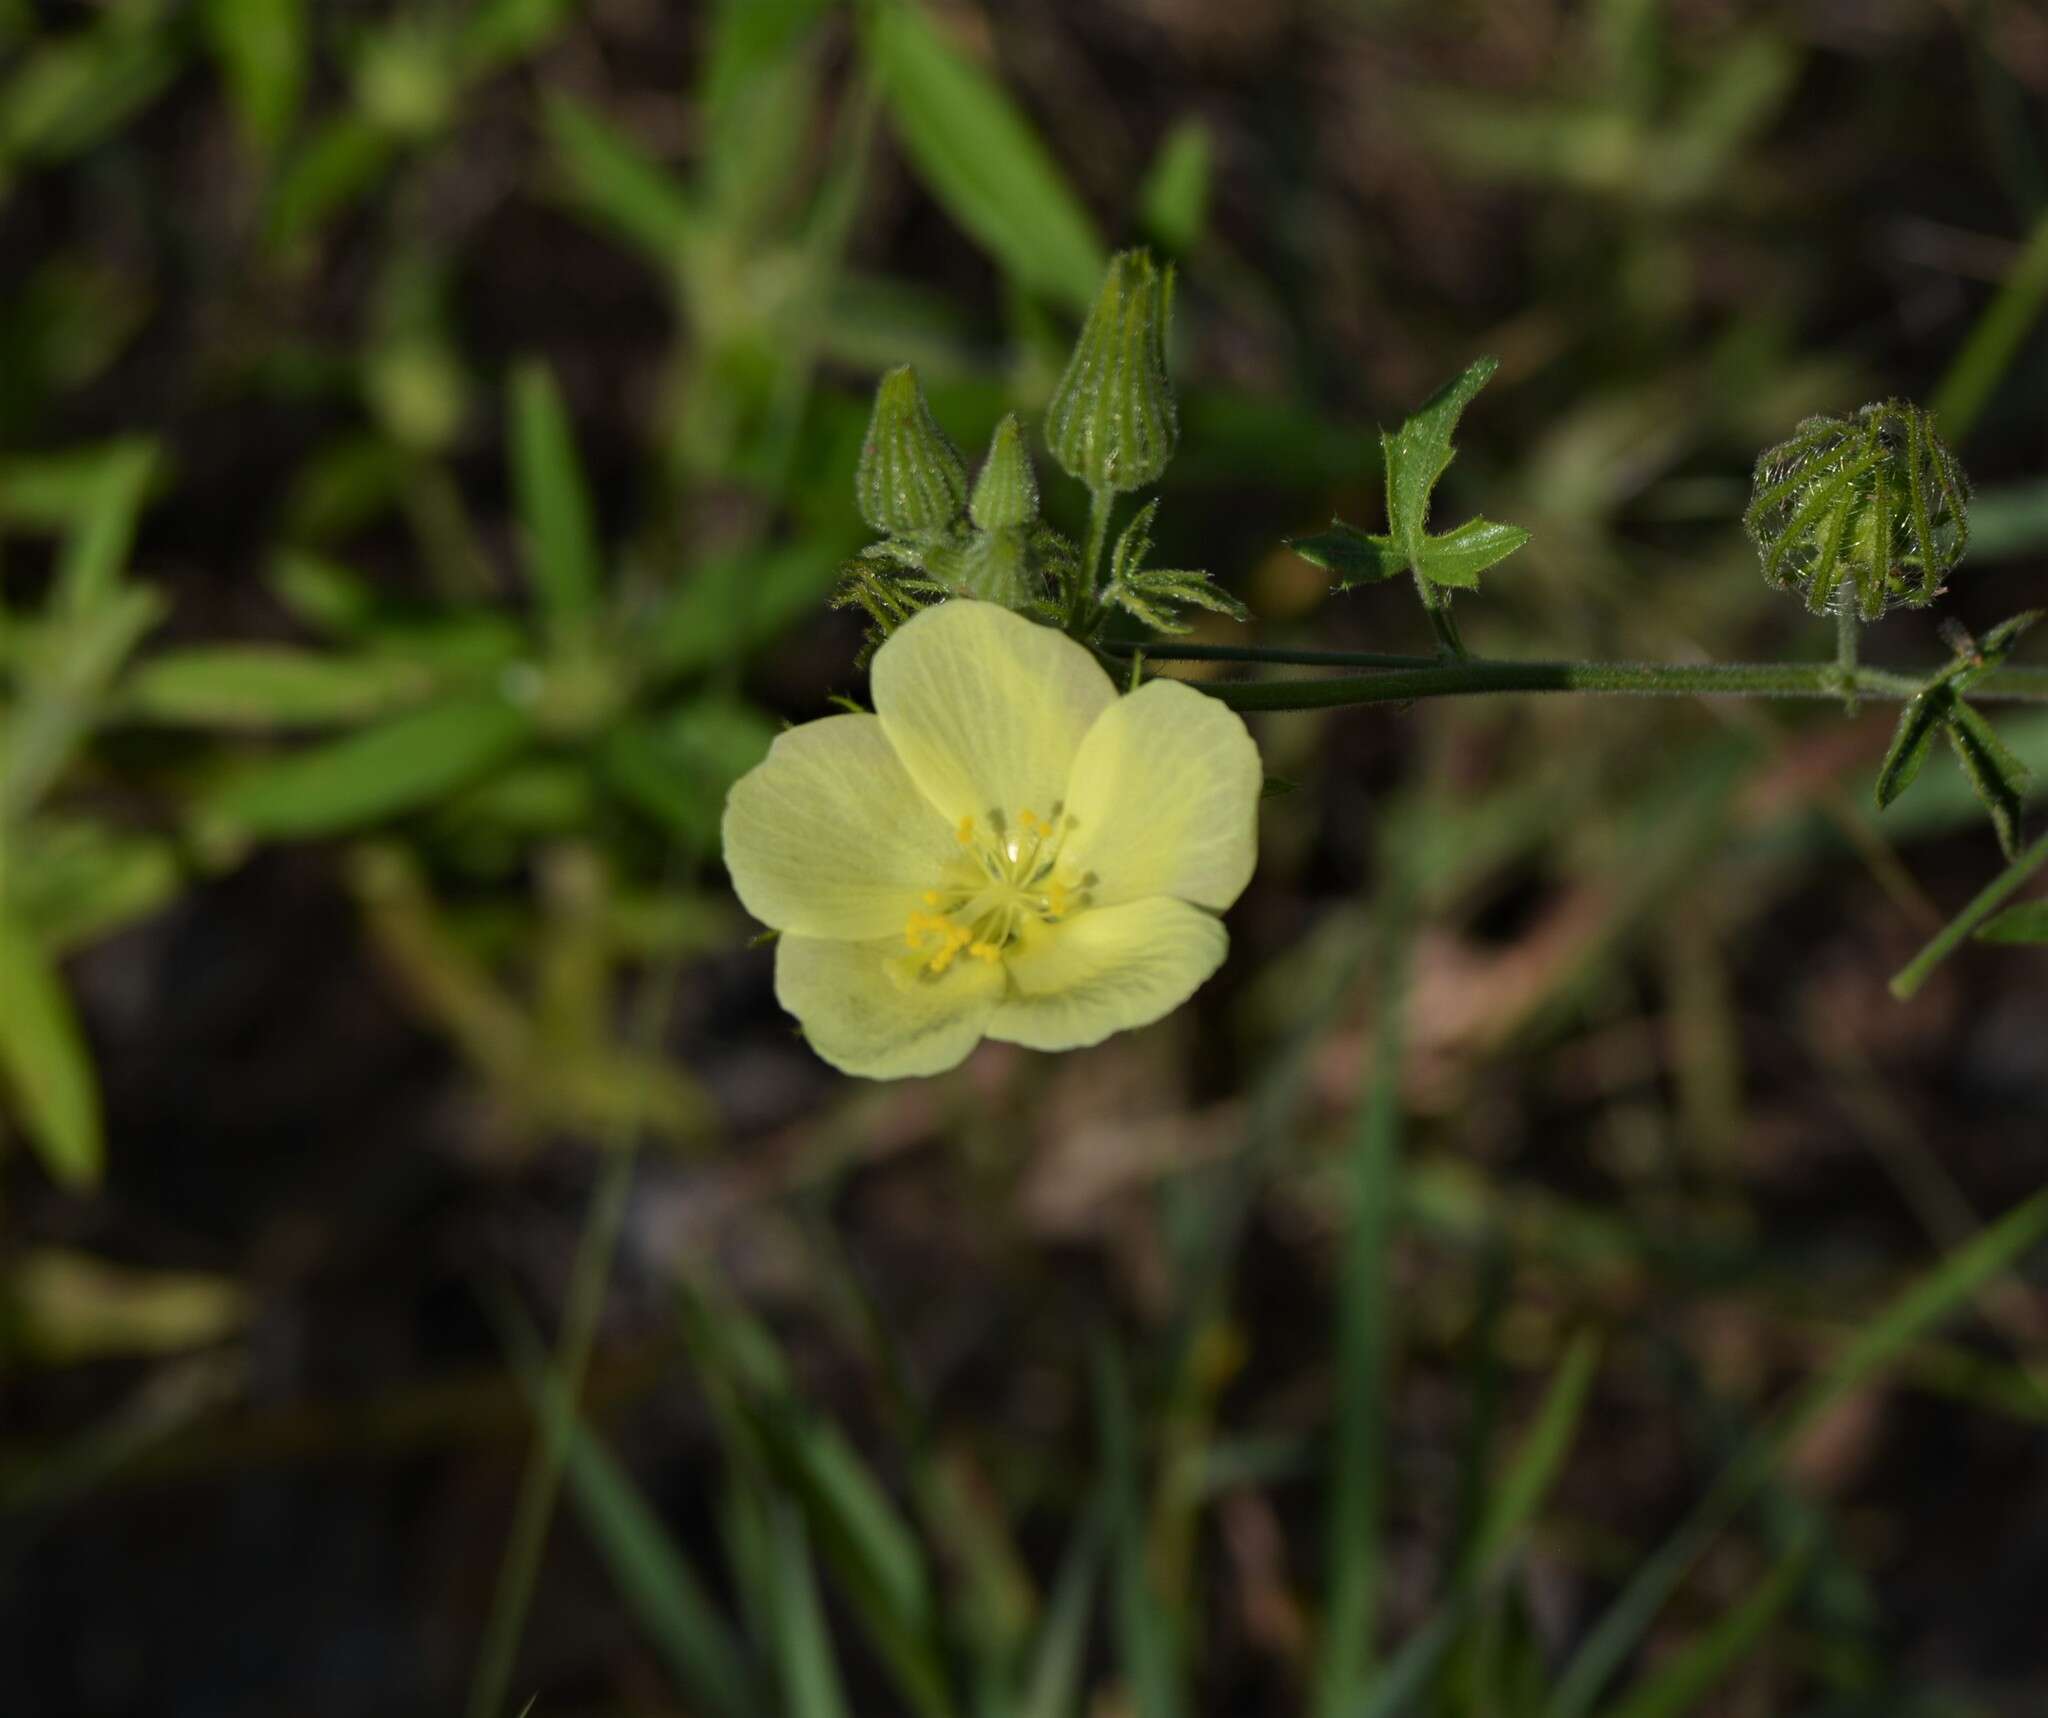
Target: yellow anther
x: 965, y: 833
x: 1029, y: 819
x: 986, y: 951
x: 1056, y: 900
x: 932, y: 897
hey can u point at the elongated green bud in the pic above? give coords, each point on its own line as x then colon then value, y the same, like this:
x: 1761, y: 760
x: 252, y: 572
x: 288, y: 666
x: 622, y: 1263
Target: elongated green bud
x: 1006, y: 492
x: 910, y: 482
x: 1112, y: 422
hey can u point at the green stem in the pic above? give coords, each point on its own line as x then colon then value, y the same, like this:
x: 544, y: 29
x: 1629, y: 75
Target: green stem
x: 1640, y: 679
x: 1951, y: 935
x: 1437, y: 606
x: 1081, y: 598
x: 1170, y: 651
x: 542, y: 1478
x: 1846, y: 625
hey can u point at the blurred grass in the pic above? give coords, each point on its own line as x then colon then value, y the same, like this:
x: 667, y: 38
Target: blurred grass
x: 425, y: 443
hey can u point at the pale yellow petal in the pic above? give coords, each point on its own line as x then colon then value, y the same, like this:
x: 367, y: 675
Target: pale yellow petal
x: 828, y: 836
x: 987, y: 709
x: 1106, y: 970
x: 1165, y: 799
x: 865, y: 1010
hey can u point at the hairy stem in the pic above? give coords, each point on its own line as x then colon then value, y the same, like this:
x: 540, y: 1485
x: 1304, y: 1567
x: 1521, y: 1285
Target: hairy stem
x: 1081, y: 598
x: 1639, y: 679
x: 1847, y: 622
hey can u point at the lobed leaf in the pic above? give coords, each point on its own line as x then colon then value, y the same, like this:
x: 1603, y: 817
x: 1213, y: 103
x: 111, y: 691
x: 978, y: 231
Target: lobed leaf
x: 1925, y: 715
x: 1457, y: 558
x: 1356, y: 557
x: 1419, y: 452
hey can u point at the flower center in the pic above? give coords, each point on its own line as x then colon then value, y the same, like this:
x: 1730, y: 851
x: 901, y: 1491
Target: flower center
x: 1009, y: 876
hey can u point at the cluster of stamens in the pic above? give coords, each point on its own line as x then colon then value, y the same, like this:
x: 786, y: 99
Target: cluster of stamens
x: 1002, y: 882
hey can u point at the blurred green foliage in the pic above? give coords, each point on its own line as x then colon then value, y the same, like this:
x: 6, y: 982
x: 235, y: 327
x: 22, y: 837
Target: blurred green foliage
x: 502, y: 631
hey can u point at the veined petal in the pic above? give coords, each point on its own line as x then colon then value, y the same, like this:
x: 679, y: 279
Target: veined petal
x: 1106, y: 970
x: 828, y: 836
x: 1165, y: 799
x: 865, y: 1013
x: 986, y: 709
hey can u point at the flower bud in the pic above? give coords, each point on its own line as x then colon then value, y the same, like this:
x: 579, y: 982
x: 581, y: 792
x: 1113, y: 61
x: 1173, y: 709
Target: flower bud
x: 1006, y: 492
x: 910, y: 481
x: 994, y: 566
x: 1112, y: 421
x: 1869, y: 512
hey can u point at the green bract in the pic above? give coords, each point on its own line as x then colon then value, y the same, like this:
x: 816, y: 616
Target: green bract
x: 1112, y: 421
x: 1869, y: 511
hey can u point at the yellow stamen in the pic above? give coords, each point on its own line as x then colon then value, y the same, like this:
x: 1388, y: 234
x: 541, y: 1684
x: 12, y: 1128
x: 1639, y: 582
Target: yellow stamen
x: 986, y: 951
x: 932, y: 897
x: 965, y: 833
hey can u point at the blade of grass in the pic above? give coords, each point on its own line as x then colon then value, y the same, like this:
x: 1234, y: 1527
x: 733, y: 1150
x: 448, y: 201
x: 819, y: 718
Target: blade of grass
x: 981, y: 158
x: 1542, y: 1453
x: 655, y: 1579
x: 1936, y: 1295
x: 1679, y: 1686
x: 1344, y: 1662
x: 810, y: 1675
x: 1147, y: 1652
x: 1997, y: 335
x: 1053, y: 1687
x: 563, y: 556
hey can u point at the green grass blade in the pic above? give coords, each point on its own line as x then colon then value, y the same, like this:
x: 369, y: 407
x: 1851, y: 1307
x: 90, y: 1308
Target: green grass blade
x: 810, y: 1675
x: 619, y: 185
x: 1942, y: 1291
x: 563, y: 557
x: 266, y: 686
x: 1690, y: 1677
x: 398, y: 766
x: 1995, y: 340
x: 262, y: 49
x: 1147, y: 1650
x: 981, y: 158
x: 45, y: 1069
x: 1053, y: 1687
x: 1542, y: 1454
x: 655, y: 1579
x: 1363, y: 1344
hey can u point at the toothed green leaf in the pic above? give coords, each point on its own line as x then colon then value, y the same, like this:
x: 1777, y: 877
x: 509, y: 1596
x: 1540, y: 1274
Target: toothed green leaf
x: 1457, y: 558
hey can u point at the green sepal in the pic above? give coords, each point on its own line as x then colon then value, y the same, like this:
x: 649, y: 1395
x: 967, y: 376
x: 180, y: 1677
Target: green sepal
x: 1151, y: 594
x: 1999, y: 778
x: 2025, y: 923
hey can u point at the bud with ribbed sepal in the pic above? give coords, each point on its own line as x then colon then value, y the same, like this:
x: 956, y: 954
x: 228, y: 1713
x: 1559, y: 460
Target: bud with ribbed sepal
x: 911, y: 482
x: 1112, y: 421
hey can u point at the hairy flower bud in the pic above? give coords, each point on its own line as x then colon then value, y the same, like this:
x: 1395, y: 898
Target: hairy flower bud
x: 1006, y: 492
x: 1869, y: 512
x: 1112, y: 421
x: 910, y: 482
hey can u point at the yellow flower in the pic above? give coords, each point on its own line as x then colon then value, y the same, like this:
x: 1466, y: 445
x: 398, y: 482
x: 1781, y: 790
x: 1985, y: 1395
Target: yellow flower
x: 1005, y: 849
